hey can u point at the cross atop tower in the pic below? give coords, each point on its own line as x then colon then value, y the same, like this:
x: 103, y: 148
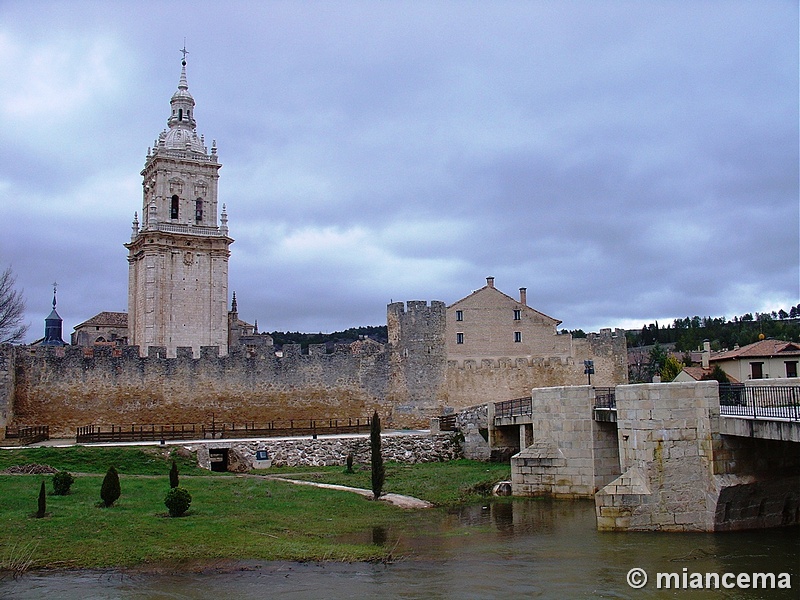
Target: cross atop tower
x: 185, y: 52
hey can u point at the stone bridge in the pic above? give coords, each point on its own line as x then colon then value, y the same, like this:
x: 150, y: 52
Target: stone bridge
x: 664, y: 456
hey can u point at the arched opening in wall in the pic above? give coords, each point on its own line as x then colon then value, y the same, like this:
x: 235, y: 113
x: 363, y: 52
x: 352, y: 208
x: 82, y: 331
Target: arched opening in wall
x: 173, y: 211
x: 198, y: 210
x: 180, y: 114
x: 219, y: 459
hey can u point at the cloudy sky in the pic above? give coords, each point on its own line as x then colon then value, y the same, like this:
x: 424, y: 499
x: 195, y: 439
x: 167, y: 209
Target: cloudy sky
x: 624, y: 161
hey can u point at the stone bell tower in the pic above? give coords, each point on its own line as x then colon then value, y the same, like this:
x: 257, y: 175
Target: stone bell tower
x: 178, y: 257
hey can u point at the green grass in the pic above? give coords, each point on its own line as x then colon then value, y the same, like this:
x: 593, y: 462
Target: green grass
x: 230, y: 517
x: 131, y: 460
x: 441, y: 483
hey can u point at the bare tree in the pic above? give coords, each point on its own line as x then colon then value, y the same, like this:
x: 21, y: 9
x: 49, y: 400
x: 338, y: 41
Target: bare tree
x: 12, y: 310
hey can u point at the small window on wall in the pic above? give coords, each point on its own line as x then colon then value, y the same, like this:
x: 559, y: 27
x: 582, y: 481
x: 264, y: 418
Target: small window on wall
x: 459, y: 315
x: 198, y: 210
x: 756, y: 370
x: 517, y: 314
x: 518, y: 336
x: 173, y: 211
x: 459, y: 338
x: 791, y: 368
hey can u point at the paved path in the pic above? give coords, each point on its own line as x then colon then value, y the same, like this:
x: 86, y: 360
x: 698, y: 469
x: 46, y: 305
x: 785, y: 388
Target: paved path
x: 395, y: 499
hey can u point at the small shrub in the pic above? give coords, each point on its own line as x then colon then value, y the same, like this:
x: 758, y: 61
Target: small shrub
x: 42, y: 502
x: 178, y: 501
x: 62, y: 481
x: 110, y: 490
x: 173, y: 475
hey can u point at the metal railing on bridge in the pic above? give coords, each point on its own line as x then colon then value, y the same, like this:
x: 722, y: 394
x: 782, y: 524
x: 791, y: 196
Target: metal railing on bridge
x: 605, y: 397
x: 513, y: 408
x: 760, y: 402
x: 194, y: 431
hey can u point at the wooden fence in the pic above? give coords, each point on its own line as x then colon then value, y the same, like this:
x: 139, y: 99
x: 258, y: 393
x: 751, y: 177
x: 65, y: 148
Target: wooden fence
x: 218, y: 431
x: 25, y: 435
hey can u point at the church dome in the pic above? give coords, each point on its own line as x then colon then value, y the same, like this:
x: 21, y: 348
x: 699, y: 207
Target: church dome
x: 179, y: 138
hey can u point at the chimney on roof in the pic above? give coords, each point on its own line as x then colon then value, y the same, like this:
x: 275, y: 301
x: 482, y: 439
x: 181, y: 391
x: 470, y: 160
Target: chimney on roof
x: 706, y: 356
x: 490, y: 282
x: 523, y: 296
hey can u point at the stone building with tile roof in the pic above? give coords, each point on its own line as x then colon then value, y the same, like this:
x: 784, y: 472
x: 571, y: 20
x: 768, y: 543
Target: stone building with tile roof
x: 765, y: 359
x: 105, y: 327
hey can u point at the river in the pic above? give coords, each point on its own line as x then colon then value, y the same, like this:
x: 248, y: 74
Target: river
x: 499, y: 549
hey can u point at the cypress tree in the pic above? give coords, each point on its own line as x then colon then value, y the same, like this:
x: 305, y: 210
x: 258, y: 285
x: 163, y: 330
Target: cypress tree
x: 378, y: 470
x: 42, y: 502
x: 110, y: 490
x: 173, y: 475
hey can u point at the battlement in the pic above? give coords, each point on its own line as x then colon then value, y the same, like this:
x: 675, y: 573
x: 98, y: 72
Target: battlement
x: 607, y: 333
x: 158, y: 354
x: 416, y: 307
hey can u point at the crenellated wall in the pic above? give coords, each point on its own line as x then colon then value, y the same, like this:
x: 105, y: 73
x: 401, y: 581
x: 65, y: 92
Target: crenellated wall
x: 409, y: 380
x: 471, y: 382
x: 72, y: 387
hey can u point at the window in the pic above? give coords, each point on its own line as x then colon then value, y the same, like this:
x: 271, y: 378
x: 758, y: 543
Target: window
x: 517, y: 314
x: 180, y: 114
x: 173, y: 212
x: 459, y: 315
x: 198, y: 210
x: 517, y: 336
x: 459, y: 338
x: 791, y: 368
x: 756, y: 370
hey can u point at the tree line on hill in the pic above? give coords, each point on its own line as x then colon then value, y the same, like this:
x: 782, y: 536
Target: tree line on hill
x: 689, y: 333
x: 348, y: 336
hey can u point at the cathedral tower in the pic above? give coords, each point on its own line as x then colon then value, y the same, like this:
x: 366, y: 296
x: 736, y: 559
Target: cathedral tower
x: 178, y: 258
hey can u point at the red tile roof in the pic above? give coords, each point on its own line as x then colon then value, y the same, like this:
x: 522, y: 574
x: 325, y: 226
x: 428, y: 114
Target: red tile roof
x: 762, y: 349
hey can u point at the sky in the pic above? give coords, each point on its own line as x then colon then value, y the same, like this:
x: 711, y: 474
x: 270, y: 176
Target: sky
x: 624, y: 161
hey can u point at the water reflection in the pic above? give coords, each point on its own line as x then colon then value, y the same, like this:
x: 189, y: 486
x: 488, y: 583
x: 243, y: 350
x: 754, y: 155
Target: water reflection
x: 502, y: 549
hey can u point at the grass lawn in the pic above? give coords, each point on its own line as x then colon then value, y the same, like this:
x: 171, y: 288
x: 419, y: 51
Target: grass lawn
x: 441, y: 483
x: 230, y: 517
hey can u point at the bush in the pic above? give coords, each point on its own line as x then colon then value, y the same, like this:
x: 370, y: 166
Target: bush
x: 62, y: 481
x: 173, y: 475
x: 110, y: 490
x: 178, y: 501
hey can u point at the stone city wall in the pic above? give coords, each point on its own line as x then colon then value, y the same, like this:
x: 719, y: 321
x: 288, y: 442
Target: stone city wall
x: 71, y: 387
x: 471, y: 382
x: 6, y: 387
x: 402, y: 448
x: 409, y: 380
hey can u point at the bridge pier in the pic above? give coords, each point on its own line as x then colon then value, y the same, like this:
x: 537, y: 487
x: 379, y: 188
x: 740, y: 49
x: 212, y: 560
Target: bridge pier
x: 569, y: 454
x: 670, y: 462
